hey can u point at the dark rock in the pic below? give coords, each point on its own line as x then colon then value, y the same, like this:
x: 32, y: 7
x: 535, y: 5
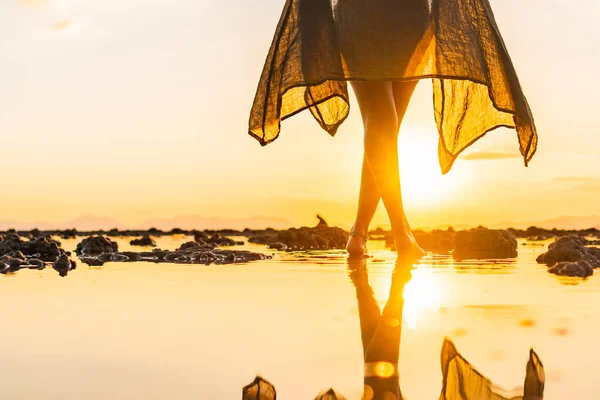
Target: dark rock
x: 581, y: 269
x: 436, y: 241
x: 10, y: 242
x: 224, y: 256
x: 319, y: 238
x: 570, y: 248
x: 145, y: 240
x: 322, y: 222
x: 177, y: 257
x: 118, y: 257
x: 196, y: 246
x: 91, y: 261
x: 95, y: 245
x: 4, y: 268
x: 200, y: 236
x: 44, y: 248
x: 222, y: 241
x: 63, y: 265
x: 278, y: 246
x: 104, y: 257
x: 482, y: 243
x: 260, y: 239
x: 16, y: 254
x: 36, y: 263
x: 68, y: 234
x: 15, y: 262
x: 131, y: 255
x: 203, y: 258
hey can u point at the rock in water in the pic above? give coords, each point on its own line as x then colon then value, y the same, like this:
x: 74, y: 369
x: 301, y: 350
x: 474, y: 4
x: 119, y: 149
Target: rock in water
x: 319, y: 238
x: 580, y: 269
x: 221, y: 241
x: 437, y: 241
x: 41, y: 247
x: 278, y: 246
x: 481, y: 243
x: 63, y: 265
x: 35, y: 263
x: 95, y: 245
x: 44, y: 248
x: 4, y: 268
x: 570, y: 248
x: 259, y: 389
x: 145, y: 240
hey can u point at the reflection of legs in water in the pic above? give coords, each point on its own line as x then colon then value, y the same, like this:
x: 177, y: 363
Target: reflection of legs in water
x: 380, y: 331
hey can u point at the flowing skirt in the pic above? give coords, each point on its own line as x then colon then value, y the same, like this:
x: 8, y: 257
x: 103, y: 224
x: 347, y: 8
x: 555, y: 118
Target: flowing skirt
x: 319, y: 45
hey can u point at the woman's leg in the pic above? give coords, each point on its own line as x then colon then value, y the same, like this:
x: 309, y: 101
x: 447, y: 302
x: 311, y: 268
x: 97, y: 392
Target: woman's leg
x: 382, y: 106
x: 368, y: 201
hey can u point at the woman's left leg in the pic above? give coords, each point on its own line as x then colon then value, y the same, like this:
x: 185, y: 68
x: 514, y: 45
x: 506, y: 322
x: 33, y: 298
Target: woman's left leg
x: 370, y: 193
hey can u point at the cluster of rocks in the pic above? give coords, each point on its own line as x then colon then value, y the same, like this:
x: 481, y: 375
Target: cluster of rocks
x: 154, y: 232
x: 478, y: 243
x: 95, y: 245
x: 34, y: 253
x: 571, y: 256
x: 215, y: 239
x: 321, y: 237
x: 97, y: 250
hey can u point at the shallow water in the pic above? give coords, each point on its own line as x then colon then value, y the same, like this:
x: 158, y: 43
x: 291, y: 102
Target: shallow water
x: 162, y: 331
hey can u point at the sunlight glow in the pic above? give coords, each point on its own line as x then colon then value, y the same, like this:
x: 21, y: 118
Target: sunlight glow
x: 423, y: 293
x: 422, y: 181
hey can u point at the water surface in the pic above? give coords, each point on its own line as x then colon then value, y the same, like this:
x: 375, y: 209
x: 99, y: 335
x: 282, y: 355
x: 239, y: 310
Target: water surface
x: 161, y: 331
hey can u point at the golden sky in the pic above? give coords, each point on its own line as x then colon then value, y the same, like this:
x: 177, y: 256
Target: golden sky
x: 137, y: 111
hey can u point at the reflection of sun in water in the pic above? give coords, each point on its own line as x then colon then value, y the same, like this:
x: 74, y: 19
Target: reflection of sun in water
x: 423, y: 292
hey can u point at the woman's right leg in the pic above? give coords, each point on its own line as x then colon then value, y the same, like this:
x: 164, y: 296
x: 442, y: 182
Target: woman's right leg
x: 381, y: 118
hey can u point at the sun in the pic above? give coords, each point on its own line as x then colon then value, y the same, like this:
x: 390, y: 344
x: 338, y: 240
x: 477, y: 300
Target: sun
x: 422, y: 181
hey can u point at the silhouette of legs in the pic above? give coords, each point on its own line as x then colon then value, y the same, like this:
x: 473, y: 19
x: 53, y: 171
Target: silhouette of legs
x: 382, y: 106
x: 380, y: 332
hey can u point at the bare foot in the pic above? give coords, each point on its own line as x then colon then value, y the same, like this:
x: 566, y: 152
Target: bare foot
x: 357, y: 245
x: 407, y: 245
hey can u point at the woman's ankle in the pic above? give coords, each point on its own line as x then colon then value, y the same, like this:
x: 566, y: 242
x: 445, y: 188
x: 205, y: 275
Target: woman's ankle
x: 360, y: 229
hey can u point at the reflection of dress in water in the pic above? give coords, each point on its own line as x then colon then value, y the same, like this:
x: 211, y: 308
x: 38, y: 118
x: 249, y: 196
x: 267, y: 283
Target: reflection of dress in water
x: 381, y: 333
x: 319, y: 46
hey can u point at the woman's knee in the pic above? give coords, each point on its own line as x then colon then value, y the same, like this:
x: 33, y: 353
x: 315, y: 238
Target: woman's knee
x: 381, y: 128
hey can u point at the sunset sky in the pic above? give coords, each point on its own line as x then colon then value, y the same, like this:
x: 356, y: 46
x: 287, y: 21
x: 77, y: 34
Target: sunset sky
x: 137, y: 111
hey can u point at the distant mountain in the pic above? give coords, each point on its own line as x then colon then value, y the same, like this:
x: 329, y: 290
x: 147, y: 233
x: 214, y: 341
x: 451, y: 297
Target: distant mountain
x: 83, y: 223
x: 564, y: 222
x: 574, y: 222
x: 91, y: 222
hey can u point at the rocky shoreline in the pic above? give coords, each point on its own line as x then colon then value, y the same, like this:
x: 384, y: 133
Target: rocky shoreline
x: 532, y: 233
x: 572, y: 254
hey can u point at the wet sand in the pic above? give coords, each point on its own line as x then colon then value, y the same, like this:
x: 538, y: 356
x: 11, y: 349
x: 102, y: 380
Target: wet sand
x: 156, y: 331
